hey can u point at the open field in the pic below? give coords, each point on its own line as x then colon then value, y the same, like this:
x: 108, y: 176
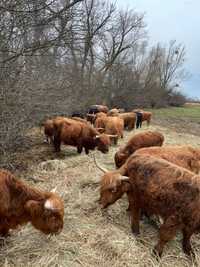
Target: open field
x: 183, y: 119
x: 92, y: 237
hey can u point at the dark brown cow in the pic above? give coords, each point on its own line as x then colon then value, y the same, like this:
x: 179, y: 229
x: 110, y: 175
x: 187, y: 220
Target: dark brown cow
x: 21, y: 203
x: 81, y: 135
x: 144, y: 139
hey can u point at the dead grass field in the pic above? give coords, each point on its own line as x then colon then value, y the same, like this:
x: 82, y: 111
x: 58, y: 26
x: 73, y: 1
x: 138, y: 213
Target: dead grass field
x: 90, y: 236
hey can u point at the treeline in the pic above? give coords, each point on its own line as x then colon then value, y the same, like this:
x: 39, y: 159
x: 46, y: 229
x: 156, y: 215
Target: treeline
x: 57, y: 56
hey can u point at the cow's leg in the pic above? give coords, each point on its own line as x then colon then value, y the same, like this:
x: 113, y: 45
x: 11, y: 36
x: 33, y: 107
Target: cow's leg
x: 186, y: 242
x: 86, y: 151
x: 135, y: 214
x: 57, y: 144
x: 167, y: 232
x: 79, y: 149
x: 115, y: 139
x: 4, y: 231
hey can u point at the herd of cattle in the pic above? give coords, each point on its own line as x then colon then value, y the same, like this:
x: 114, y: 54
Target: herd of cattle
x: 158, y: 180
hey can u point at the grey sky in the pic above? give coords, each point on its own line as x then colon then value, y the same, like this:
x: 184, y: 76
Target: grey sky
x: 174, y: 19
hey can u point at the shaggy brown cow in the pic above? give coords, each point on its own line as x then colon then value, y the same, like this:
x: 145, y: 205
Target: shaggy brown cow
x: 81, y: 135
x: 114, y: 126
x: 129, y: 119
x: 166, y: 190
x: 157, y: 187
x: 21, y: 203
x: 49, y: 128
x: 183, y: 156
x: 144, y: 139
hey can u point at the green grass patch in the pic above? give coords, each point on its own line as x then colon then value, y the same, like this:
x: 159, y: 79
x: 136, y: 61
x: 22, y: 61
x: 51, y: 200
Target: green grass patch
x: 192, y: 113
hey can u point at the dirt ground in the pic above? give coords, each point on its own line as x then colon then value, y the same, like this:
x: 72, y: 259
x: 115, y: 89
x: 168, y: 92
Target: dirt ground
x: 91, y: 237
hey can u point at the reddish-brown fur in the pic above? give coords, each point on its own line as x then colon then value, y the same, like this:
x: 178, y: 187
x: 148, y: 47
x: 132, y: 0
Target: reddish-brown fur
x: 146, y: 116
x: 21, y: 203
x: 49, y: 130
x: 144, y: 139
x: 81, y: 135
x: 129, y: 119
x: 114, y: 126
x: 100, y: 120
x: 81, y: 120
x: 166, y: 190
x: 183, y: 156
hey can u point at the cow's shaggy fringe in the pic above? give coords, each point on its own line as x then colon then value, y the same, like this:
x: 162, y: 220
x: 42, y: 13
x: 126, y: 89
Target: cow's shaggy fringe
x: 90, y: 238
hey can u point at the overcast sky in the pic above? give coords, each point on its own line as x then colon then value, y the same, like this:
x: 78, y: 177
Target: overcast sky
x: 174, y: 19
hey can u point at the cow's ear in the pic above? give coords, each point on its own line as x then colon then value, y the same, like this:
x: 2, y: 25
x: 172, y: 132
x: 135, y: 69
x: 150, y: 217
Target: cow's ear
x: 33, y: 207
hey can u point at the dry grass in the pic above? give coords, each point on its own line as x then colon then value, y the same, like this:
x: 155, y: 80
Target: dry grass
x: 90, y: 237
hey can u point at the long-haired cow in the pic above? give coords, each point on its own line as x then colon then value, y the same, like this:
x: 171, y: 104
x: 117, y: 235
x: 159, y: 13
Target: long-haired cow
x: 21, y: 203
x: 80, y: 135
x: 166, y: 190
x: 137, y: 141
x: 157, y: 187
x: 184, y: 156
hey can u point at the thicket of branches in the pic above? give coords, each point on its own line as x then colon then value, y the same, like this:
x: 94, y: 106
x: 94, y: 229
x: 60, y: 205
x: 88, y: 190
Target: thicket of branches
x: 57, y: 56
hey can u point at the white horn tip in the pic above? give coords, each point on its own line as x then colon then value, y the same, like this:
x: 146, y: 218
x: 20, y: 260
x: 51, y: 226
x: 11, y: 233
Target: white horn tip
x: 48, y: 205
x: 53, y: 190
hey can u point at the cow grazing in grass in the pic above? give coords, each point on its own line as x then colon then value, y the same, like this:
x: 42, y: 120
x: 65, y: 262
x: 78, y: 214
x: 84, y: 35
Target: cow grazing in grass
x: 80, y: 135
x: 137, y: 141
x: 21, y: 203
x: 166, y: 190
x: 157, y: 187
x: 183, y: 156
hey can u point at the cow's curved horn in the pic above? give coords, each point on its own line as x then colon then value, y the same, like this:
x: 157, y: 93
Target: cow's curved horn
x: 98, y: 165
x: 112, y: 135
x: 54, y: 190
x: 49, y: 205
x: 124, y: 178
